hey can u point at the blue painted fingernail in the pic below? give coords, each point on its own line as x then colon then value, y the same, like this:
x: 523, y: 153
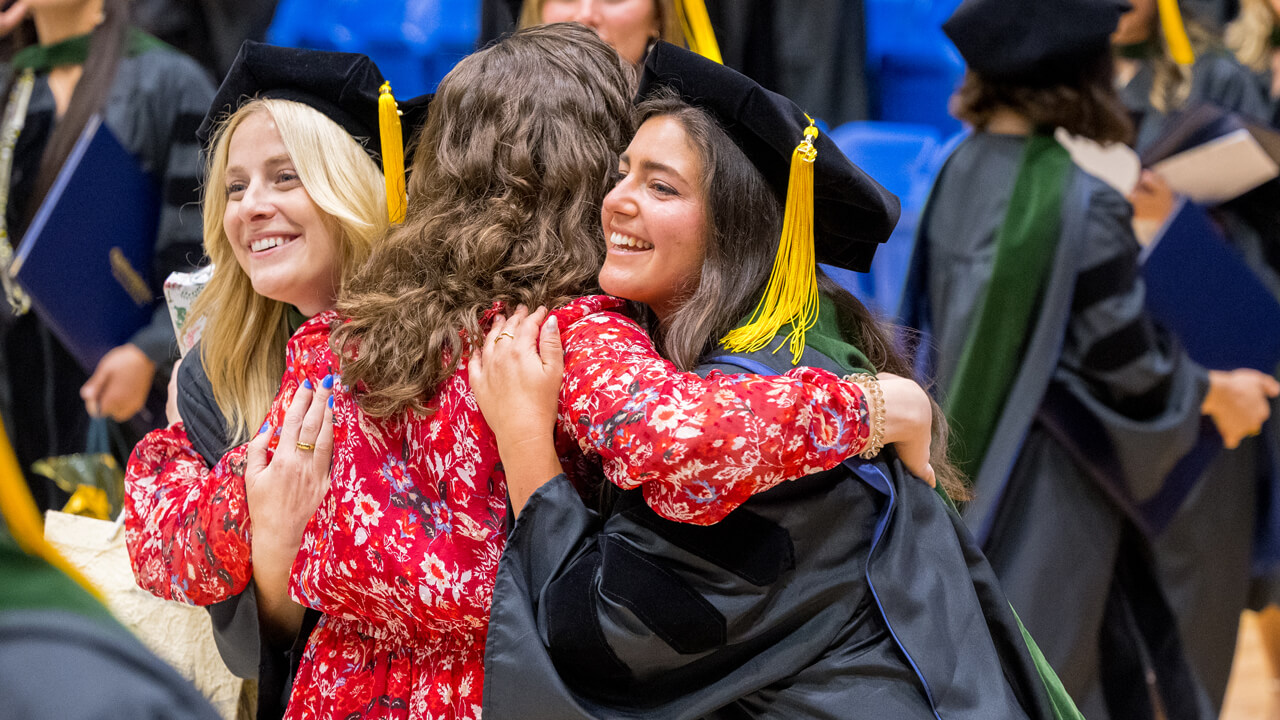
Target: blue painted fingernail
x: 327, y: 383
x: 265, y: 424
x: 307, y: 383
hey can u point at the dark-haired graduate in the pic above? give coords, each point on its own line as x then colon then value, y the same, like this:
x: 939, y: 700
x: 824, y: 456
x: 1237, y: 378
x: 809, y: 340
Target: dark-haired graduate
x: 850, y: 592
x: 1069, y: 407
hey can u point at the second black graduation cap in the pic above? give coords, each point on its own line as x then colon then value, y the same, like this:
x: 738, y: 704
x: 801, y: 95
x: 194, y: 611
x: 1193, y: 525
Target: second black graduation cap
x: 1036, y: 42
x: 853, y: 214
x: 343, y: 86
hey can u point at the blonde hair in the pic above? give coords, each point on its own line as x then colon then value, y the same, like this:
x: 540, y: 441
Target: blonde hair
x: 1171, y: 82
x: 1249, y: 35
x: 668, y: 22
x: 243, y: 343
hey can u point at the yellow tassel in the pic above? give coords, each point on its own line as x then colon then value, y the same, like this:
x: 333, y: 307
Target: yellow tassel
x: 23, y: 519
x: 791, y: 297
x: 698, y: 32
x: 392, y: 153
x: 1175, y: 33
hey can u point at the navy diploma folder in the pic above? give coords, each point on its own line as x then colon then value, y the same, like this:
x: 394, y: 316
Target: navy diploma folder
x: 1203, y: 291
x: 85, y: 261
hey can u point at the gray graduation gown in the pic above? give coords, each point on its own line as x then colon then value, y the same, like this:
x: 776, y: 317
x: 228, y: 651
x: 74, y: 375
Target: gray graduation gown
x: 1205, y: 554
x: 1102, y: 408
x: 842, y: 594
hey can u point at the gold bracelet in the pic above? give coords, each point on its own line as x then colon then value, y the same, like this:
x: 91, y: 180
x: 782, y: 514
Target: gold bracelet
x: 875, y: 399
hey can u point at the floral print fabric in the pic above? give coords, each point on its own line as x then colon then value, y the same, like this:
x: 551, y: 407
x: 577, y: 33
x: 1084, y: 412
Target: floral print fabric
x: 401, y: 555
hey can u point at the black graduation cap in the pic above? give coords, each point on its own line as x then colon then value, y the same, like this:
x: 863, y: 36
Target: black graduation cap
x: 343, y: 86
x: 1036, y: 42
x: 852, y: 213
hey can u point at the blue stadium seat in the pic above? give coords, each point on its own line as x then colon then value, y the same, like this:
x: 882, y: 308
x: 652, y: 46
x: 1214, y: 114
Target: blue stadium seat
x: 414, y: 42
x: 904, y: 158
x: 912, y: 67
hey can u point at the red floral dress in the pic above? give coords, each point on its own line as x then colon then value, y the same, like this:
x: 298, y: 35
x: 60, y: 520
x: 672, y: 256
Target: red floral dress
x: 401, y: 555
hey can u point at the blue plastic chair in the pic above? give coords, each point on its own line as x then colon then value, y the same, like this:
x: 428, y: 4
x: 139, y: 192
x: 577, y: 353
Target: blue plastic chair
x: 414, y: 42
x: 912, y: 67
x: 904, y: 158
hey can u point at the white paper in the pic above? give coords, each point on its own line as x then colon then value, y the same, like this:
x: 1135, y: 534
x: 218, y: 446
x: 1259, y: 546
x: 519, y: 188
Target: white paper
x: 180, y: 292
x: 1220, y: 169
x: 1116, y: 164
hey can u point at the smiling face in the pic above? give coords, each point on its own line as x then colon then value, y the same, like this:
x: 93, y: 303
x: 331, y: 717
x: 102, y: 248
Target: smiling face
x: 655, y: 219
x: 281, y: 239
x: 626, y: 25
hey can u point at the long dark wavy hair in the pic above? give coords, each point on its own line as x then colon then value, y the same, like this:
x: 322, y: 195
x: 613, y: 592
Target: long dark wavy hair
x: 1086, y: 104
x: 506, y: 187
x: 744, y: 224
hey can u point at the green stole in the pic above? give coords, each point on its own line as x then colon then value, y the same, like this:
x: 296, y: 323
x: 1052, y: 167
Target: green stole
x: 30, y: 583
x: 825, y: 337
x: 75, y: 50
x: 1025, y: 247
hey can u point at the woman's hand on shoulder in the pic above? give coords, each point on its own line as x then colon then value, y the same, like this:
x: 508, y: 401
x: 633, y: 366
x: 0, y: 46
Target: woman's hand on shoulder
x: 284, y: 492
x: 515, y: 377
x: 908, y: 424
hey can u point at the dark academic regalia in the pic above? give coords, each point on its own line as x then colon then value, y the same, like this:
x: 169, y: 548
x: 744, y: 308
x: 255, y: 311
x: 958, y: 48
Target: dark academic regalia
x: 1205, y: 554
x: 236, y: 629
x: 1063, y: 531
x: 854, y: 592
x: 157, y: 100
x: 62, y: 654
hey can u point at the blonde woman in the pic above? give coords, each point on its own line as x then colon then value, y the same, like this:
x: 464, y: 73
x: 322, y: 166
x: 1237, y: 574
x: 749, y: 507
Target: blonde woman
x: 1254, y: 37
x: 628, y: 26
x: 293, y: 203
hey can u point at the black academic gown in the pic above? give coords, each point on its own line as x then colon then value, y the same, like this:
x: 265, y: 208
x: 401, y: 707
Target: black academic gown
x: 850, y: 593
x: 1205, y: 554
x: 1100, y: 411
x: 236, y: 629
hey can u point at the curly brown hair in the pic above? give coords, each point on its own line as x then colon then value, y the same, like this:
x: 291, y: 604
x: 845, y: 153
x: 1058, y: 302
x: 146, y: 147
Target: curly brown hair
x: 506, y: 187
x: 1086, y: 105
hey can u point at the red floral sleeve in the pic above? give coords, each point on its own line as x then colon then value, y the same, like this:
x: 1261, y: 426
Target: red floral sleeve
x: 699, y: 447
x: 186, y: 525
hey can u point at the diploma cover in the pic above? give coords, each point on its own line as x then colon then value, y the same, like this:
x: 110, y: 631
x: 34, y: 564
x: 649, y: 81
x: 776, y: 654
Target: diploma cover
x: 85, y: 261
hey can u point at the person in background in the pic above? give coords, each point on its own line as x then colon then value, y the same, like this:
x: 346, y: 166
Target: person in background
x: 1069, y: 405
x: 1205, y: 554
x: 1254, y: 37
x: 628, y: 26
x: 75, y: 59
x: 294, y: 204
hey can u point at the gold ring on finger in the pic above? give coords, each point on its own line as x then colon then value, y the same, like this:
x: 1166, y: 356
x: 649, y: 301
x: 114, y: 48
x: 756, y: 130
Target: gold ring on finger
x: 305, y: 446
x: 503, y: 334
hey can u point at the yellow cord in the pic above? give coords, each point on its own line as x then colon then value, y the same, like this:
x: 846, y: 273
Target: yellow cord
x: 392, y: 153
x: 1175, y: 33
x: 791, y: 297
x: 23, y: 519
x: 698, y: 33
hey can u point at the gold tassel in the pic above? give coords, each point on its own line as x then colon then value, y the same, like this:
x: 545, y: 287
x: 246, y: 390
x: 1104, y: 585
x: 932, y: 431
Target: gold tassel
x: 1175, y: 33
x: 791, y: 297
x: 23, y: 519
x: 392, y: 153
x: 698, y: 32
